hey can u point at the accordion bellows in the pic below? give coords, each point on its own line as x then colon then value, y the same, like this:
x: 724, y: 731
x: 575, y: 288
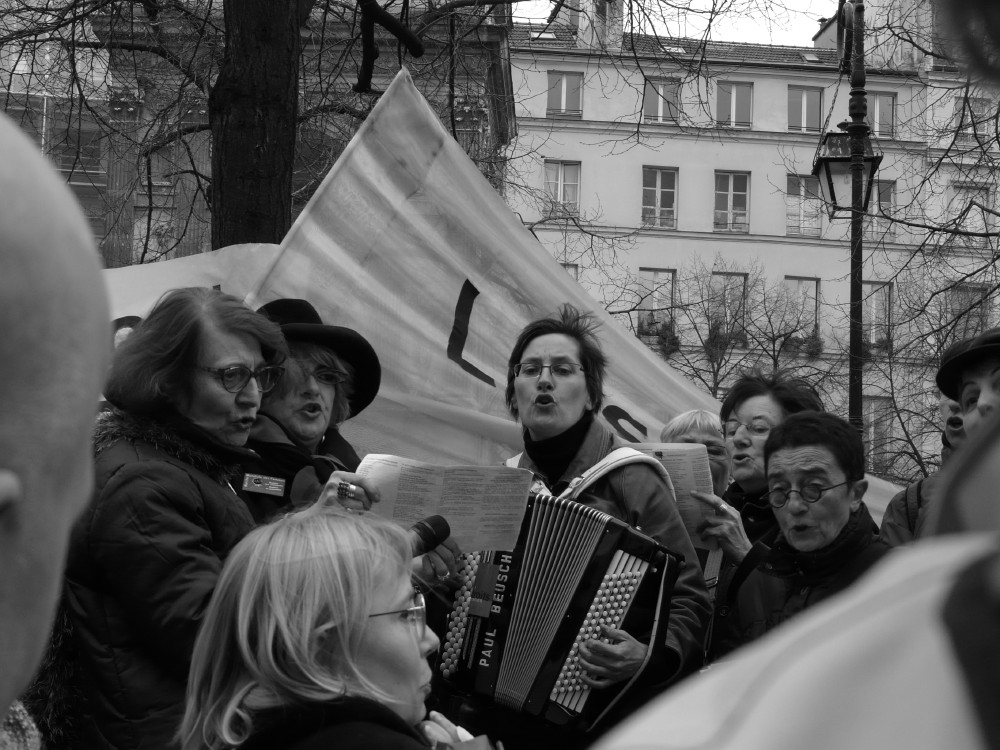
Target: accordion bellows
x: 519, y: 617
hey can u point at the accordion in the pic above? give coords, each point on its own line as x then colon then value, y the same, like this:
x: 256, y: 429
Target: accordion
x: 519, y: 617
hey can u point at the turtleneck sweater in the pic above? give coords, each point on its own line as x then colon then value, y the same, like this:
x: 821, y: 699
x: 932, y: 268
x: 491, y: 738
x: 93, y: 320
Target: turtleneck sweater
x: 553, y: 455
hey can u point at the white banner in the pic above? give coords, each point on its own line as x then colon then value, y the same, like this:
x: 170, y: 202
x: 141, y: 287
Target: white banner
x: 406, y: 242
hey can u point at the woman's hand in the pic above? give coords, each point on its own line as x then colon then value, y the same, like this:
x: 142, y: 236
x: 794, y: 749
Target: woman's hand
x: 357, y: 493
x: 438, y: 729
x: 610, y: 663
x: 724, y: 525
x: 440, y: 563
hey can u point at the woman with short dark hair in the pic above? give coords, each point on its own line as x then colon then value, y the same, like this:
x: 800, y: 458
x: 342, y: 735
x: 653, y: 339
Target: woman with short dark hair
x: 555, y: 388
x: 184, y: 390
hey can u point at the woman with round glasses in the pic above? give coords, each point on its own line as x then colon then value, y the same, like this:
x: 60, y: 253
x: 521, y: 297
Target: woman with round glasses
x: 315, y: 638
x: 826, y: 536
x: 555, y: 388
x: 332, y: 374
x: 184, y: 390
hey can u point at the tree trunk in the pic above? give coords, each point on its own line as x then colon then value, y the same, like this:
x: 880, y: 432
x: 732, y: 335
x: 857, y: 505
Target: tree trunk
x: 253, y: 109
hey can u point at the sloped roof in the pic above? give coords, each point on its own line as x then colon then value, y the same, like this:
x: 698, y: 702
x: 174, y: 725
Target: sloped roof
x: 524, y: 36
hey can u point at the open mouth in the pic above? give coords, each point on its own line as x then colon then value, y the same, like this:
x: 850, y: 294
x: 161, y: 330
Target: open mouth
x: 312, y: 409
x: 544, y: 400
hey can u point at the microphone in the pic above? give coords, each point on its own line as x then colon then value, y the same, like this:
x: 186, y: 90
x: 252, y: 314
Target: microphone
x: 428, y: 533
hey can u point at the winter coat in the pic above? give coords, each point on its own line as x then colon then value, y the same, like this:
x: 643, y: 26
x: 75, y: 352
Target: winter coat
x: 905, y: 516
x: 789, y: 581
x: 637, y: 495
x: 344, y: 724
x: 762, y: 530
x: 283, y: 475
x: 142, y: 565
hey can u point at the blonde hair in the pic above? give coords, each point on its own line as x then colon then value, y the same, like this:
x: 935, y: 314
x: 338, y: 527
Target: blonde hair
x: 286, y: 618
x: 302, y: 354
x: 696, y: 419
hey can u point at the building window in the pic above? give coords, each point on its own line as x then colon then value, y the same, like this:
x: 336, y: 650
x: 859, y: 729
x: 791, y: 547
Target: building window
x: 804, y: 106
x: 573, y: 269
x: 877, y: 417
x: 727, y: 304
x: 565, y: 95
x: 806, y: 289
x: 734, y: 104
x: 881, y: 117
x: 972, y: 117
x: 732, y: 202
x: 878, y: 224
x: 656, y: 298
x: 153, y: 224
x: 876, y: 316
x: 803, y: 205
x: 661, y: 101
x: 562, y: 183
x: 77, y: 145
x: 659, y: 197
x: 970, y: 207
x: 967, y: 309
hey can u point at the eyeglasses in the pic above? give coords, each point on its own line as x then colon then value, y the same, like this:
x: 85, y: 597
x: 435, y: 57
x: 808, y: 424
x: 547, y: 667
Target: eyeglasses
x: 325, y: 375
x: 529, y: 370
x: 810, y: 493
x: 416, y: 614
x: 757, y: 428
x: 234, y: 379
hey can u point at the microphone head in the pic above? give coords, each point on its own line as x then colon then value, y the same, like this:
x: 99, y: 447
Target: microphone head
x: 431, y: 532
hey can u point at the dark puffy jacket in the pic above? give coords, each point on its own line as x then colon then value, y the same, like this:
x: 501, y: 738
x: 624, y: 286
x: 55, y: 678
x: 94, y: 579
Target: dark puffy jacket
x: 789, y: 581
x: 142, y: 565
x: 345, y: 724
x: 283, y: 475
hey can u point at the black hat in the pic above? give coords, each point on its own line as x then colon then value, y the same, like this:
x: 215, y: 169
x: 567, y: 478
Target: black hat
x: 962, y: 355
x: 299, y: 321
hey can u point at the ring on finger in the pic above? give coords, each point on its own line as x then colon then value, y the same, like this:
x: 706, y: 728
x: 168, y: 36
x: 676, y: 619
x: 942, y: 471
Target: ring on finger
x: 346, y: 491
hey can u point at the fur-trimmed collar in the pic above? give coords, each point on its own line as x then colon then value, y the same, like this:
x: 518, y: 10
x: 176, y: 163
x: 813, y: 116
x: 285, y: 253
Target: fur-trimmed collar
x: 176, y: 437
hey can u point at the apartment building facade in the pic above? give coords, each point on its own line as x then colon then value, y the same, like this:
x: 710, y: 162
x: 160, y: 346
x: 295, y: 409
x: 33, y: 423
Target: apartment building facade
x: 673, y: 179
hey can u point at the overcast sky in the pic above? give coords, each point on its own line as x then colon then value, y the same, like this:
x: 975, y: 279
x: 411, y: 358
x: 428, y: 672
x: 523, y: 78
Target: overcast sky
x: 794, y: 27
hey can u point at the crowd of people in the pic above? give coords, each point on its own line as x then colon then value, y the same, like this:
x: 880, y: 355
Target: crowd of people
x: 205, y: 545
x: 226, y: 586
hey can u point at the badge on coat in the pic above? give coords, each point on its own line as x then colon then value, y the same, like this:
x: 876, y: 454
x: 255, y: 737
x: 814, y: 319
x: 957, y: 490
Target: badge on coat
x: 264, y: 484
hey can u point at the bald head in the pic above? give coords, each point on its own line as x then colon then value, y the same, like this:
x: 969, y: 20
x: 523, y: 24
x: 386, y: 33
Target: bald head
x: 53, y: 357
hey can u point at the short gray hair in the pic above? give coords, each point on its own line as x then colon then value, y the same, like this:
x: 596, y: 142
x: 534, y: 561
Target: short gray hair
x: 696, y: 419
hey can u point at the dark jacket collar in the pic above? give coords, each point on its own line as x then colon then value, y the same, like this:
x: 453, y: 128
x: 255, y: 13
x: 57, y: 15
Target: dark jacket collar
x: 858, y: 534
x: 755, y: 512
x: 174, y: 435
x: 286, y: 726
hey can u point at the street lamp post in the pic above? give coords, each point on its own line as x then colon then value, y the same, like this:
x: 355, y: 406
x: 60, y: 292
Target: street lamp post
x: 851, y: 155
